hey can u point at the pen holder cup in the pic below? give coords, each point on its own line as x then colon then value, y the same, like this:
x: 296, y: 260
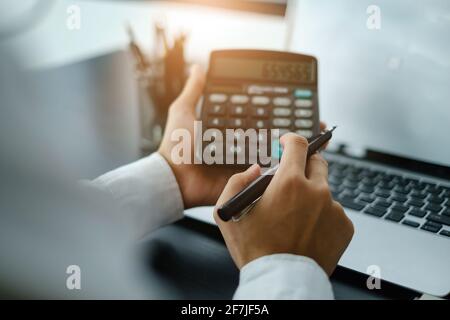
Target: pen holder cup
x: 151, y: 124
x: 157, y: 89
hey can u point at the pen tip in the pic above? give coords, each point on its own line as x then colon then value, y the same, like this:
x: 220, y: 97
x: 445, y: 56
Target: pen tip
x: 334, y: 128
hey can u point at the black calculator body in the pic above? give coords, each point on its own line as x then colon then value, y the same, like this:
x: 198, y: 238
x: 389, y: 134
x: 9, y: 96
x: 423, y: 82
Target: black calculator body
x: 256, y: 89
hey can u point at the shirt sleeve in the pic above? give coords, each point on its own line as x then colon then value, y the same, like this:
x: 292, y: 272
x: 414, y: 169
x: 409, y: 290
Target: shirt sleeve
x: 147, y: 192
x: 285, y: 277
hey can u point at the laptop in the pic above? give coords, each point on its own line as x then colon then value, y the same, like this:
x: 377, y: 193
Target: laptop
x: 385, y: 84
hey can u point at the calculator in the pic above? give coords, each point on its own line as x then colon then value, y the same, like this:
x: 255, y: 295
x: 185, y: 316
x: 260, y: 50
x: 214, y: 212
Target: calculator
x: 258, y: 89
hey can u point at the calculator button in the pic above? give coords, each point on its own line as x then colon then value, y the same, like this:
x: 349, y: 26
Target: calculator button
x: 304, y: 124
x: 261, y: 124
x: 216, y: 122
x: 277, y: 122
x: 303, y: 103
x: 281, y: 90
x: 238, y: 110
x: 236, y: 123
x: 303, y: 93
x: 282, y: 112
x: 305, y: 133
x: 303, y: 113
x: 282, y: 102
x: 260, y: 100
x: 260, y: 112
x: 277, y: 149
x: 217, y: 97
x: 239, y: 99
x: 217, y: 109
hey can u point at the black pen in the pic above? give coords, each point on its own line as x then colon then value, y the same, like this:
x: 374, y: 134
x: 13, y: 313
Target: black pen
x: 253, y: 192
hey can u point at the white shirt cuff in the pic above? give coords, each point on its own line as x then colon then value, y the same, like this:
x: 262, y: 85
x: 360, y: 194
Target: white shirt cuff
x: 285, y: 277
x: 147, y: 191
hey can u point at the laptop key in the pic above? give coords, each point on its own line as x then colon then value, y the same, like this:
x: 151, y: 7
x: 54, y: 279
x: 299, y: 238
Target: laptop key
x: 400, y: 208
x: 388, y: 177
x: 382, y: 203
x: 412, y: 181
x: 368, y: 173
x: 416, y: 203
x: 367, y: 189
x: 346, y: 197
x: 439, y: 219
x: 433, y: 207
x: 386, y: 185
x: 383, y: 193
x: 399, y: 198
x: 431, y: 227
x: 445, y: 233
x: 376, y: 211
x: 446, y: 192
x: 446, y: 212
x: 353, y: 178
x: 433, y: 224
x: 350, y: 184
x: 418, y: 195
x: 368, y: 182
x: 367, y: 198
x: 419, y: 186
x: 349, y: 193
x: 395, y: 216
x: 418, y: 213
x: 436, y: 199
x: 434, y: 190
x: 410, y: 223
x: 349, y: 203
x: 402, y: 190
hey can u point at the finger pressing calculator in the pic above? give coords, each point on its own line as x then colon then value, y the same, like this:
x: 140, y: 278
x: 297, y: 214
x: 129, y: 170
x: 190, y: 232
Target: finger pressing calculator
x: 254, y: 89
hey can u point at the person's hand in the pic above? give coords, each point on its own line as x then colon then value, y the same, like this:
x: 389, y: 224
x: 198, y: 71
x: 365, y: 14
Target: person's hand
x: 296, y: 214
x: 200, y: 184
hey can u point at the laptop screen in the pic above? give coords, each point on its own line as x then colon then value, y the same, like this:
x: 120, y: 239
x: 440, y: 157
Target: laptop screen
x: 384, y: 72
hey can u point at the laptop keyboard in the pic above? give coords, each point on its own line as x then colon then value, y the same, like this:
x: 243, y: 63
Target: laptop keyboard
x: 397, y: 198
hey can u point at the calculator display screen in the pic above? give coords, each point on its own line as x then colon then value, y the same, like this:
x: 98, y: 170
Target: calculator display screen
x: 264, y: 69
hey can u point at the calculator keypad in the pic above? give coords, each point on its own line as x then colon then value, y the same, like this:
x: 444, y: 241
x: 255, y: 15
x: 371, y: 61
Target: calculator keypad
x: 293, y: 112
x: 289, y: 109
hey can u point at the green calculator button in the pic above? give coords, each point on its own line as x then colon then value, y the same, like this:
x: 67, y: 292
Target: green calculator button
x: 277, y: 149
x: 303, y: 93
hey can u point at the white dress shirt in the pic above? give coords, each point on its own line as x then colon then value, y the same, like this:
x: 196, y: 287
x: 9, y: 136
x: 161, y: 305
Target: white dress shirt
x: 149, y: 192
